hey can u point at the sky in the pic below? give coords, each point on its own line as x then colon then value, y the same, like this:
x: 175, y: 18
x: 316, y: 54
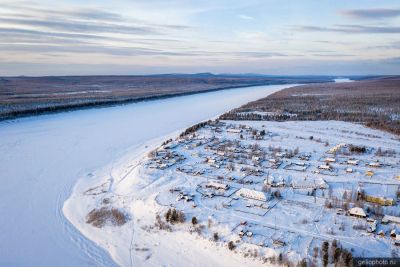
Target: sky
x: 128, y: 37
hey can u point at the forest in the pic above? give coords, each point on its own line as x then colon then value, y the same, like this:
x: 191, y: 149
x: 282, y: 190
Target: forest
x: 373, y: 102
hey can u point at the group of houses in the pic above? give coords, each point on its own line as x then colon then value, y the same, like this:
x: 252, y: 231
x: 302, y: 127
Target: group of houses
x: 275, y: 180
x: 360, y: 213
x: 165, y: 158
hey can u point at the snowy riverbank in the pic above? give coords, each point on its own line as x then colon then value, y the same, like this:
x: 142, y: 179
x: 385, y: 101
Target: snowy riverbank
x: 126, y: 185
x: 129, y: 185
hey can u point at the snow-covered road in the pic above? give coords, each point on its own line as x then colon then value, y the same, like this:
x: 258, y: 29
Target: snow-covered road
x: 42, y: 157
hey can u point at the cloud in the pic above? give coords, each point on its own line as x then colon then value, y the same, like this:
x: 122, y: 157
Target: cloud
x: 255, y: 54
x: 332, y: 55
x: 390, y: 45
x: 86, y: 27
x: 245, y: 17
x: 35, y: 30
x: 79, y: 20
x: 39, y: 34
x: 332, y: 42
x: 90, y: 49
x: 29, y: 9
x: 375, y: 13
x: 352, y: 29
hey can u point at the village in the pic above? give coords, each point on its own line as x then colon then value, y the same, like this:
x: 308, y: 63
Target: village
x: 284, y: 188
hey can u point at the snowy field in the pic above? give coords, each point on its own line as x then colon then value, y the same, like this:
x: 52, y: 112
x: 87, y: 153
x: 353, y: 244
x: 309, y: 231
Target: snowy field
x: 144, y: 185
x: 41, y: 158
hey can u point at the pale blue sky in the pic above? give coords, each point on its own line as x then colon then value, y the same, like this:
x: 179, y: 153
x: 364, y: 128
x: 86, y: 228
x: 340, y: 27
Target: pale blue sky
x: 338, y: 37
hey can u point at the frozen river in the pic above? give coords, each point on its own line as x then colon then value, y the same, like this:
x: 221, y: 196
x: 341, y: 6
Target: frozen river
x: 42, y: 157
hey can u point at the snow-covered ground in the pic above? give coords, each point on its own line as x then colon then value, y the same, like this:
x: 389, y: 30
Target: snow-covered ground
x: 136, y: 185
x: 42, y: 157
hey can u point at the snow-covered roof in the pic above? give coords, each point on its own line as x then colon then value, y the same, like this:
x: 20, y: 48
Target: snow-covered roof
x: 353, y: 161
x: 234, y: 130
x: 217, y: 185
x: 249, y: 193
x: 357, y: 212
x: 388, y: 218
x: 324, y: 167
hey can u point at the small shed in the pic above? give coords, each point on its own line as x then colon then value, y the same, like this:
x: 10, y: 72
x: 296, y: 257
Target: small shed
x: 369, y: 173
x: 349, y: 170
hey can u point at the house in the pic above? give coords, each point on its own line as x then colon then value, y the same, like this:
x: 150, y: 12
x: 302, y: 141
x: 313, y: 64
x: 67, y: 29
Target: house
x: 170, y: 145
x: 274, y: 181
x: 303, y: 184
x: 280, y: 154
x: 353, y: 161
x: 175, y: 189
x: 324, y: 167
x: 221, y: 153
x: 374, y: 164
x: 184, y: 196
x: 274, y: 161
x: 369, y: 173
x: 211, y: 160
x: 380, y: 200
x: 330, y: 160
x: 387, y: 218
x: 304, y: 156
x: 241, y: 233
x: 310, y: 184
x: 393, y: 233
x: 216, y: 185
x: 251, y: 194
x: 321, y: 184
x: 397, y: 240
x: 188, y: 198
x: 179, y: 197
x: 278, y: 243
x: 230, y: 130
x: 357, y: 212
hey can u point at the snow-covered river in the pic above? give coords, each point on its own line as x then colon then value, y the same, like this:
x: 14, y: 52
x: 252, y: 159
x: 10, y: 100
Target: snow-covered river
x: 42, y: 157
